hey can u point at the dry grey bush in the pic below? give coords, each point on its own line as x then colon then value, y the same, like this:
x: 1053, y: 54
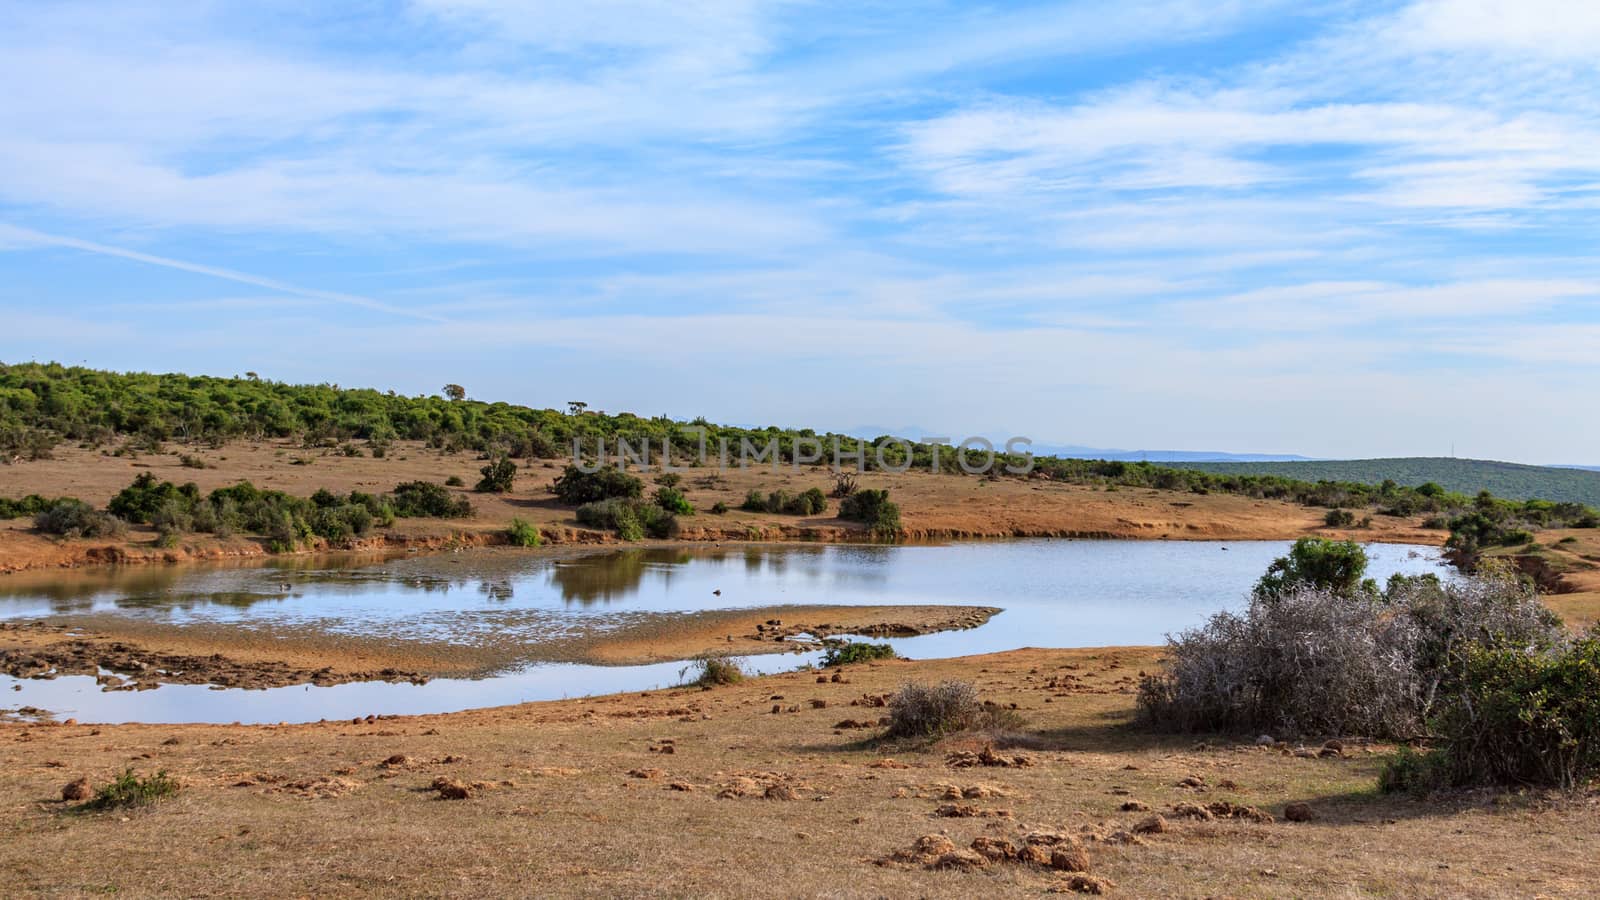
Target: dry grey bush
x: 920, y: 710
x: 1317, y: 662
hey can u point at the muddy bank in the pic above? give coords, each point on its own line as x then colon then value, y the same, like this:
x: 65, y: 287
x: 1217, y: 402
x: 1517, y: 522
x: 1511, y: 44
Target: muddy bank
x: 141, y: 655
x: 47, y: 651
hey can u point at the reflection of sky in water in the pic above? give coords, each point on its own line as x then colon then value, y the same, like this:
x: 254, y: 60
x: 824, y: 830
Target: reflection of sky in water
x: 1054, y: 593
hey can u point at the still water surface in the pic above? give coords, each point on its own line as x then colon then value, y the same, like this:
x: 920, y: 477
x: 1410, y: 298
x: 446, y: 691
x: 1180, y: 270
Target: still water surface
x: 1054, y: 593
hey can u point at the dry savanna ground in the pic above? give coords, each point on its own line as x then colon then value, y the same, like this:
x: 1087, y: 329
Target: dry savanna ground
x: 933, y: 506
x: 777, y: 786
x: 766, y: 788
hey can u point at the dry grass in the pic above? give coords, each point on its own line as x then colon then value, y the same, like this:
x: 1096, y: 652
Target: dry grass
x: 582, y: 798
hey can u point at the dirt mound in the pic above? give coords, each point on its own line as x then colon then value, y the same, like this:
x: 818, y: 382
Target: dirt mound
x: 966, y: 759
x: 77, y: 791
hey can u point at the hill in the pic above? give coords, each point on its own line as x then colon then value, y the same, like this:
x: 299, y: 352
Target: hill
x: 1465, y: 476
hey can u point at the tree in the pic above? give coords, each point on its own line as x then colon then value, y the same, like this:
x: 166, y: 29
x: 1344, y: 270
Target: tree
x: 575, y: 407
x: 1335, y: 566
x: 454, y: 392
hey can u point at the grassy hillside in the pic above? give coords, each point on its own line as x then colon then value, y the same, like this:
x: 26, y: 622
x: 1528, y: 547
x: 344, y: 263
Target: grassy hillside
x: 1465, y: 476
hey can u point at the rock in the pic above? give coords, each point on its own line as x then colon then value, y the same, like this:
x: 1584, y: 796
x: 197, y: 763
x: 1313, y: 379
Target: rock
x: 397, y: 761
x: 683, y: 786
x: 1124, y: 837
x: 77, y: 791
x: 1151, y: 825
x: 1298, y: 812
x: 1335, y: 746
x: 780, y: 791
x: 956, y: 811
x: 1266, y: 740
x: 645, y: 773
x: 1135, y: 806
x: 819, y: 704
x: 1069, y: 859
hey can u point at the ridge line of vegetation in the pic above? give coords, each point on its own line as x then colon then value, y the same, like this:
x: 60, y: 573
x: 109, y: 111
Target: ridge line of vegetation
x: 42, y: 405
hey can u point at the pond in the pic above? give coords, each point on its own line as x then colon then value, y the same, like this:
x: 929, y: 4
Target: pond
x: 1054, y: 593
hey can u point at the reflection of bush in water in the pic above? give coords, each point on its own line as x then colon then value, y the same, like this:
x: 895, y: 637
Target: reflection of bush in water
x: 612, y: 576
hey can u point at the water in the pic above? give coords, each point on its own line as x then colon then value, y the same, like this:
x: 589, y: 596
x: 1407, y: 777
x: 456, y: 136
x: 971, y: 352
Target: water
x: 1054, y: 593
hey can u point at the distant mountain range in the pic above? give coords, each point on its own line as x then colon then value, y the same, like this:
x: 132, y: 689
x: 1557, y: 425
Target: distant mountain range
x: 1075, y: 451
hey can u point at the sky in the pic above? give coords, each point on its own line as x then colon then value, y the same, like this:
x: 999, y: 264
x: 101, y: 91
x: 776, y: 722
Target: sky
x: 1329, y: 227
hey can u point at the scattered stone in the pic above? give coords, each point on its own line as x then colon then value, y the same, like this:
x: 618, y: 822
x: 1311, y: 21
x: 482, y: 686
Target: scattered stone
x: 957, y: 811
x: 1298, y: 812
x: 648, y: 774
x: 1192, y: 811
x: 77, y: 791
x: 682, y: 786
x: 397, y: 761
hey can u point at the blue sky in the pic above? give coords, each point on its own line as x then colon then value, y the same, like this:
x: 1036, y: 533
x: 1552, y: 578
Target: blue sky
x: 1330, y: 227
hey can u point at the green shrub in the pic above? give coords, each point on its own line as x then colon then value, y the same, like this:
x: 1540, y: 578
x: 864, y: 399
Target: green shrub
x: 843, y: 653
x: 874, y: 508
x: 575, y: 486
x: 632, y: 519
x: 424, y: 499
x: 498, y: 476
x: 523, y: 534
x: 1517, y: 717
x: 1339, y: 518
x: 1317, y: 563
x: 31, y: 505
x: 454, y: 481
x: 809, y: 503
x: 131, y: 790
x: 672, y: 500
x: 754, y: 501
x: 189, y: 461
x: 713, y: 671
x: 73, y: 518
x: 139, y: 501
x: 719, y: 508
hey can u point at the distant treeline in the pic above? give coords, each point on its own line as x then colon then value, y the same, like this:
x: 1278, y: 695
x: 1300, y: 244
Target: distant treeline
x: 1503, y: 479
x: 42, y: 405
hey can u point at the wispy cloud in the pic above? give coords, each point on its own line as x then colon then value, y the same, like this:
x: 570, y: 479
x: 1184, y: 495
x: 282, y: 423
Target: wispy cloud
x: 1188, y: 207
